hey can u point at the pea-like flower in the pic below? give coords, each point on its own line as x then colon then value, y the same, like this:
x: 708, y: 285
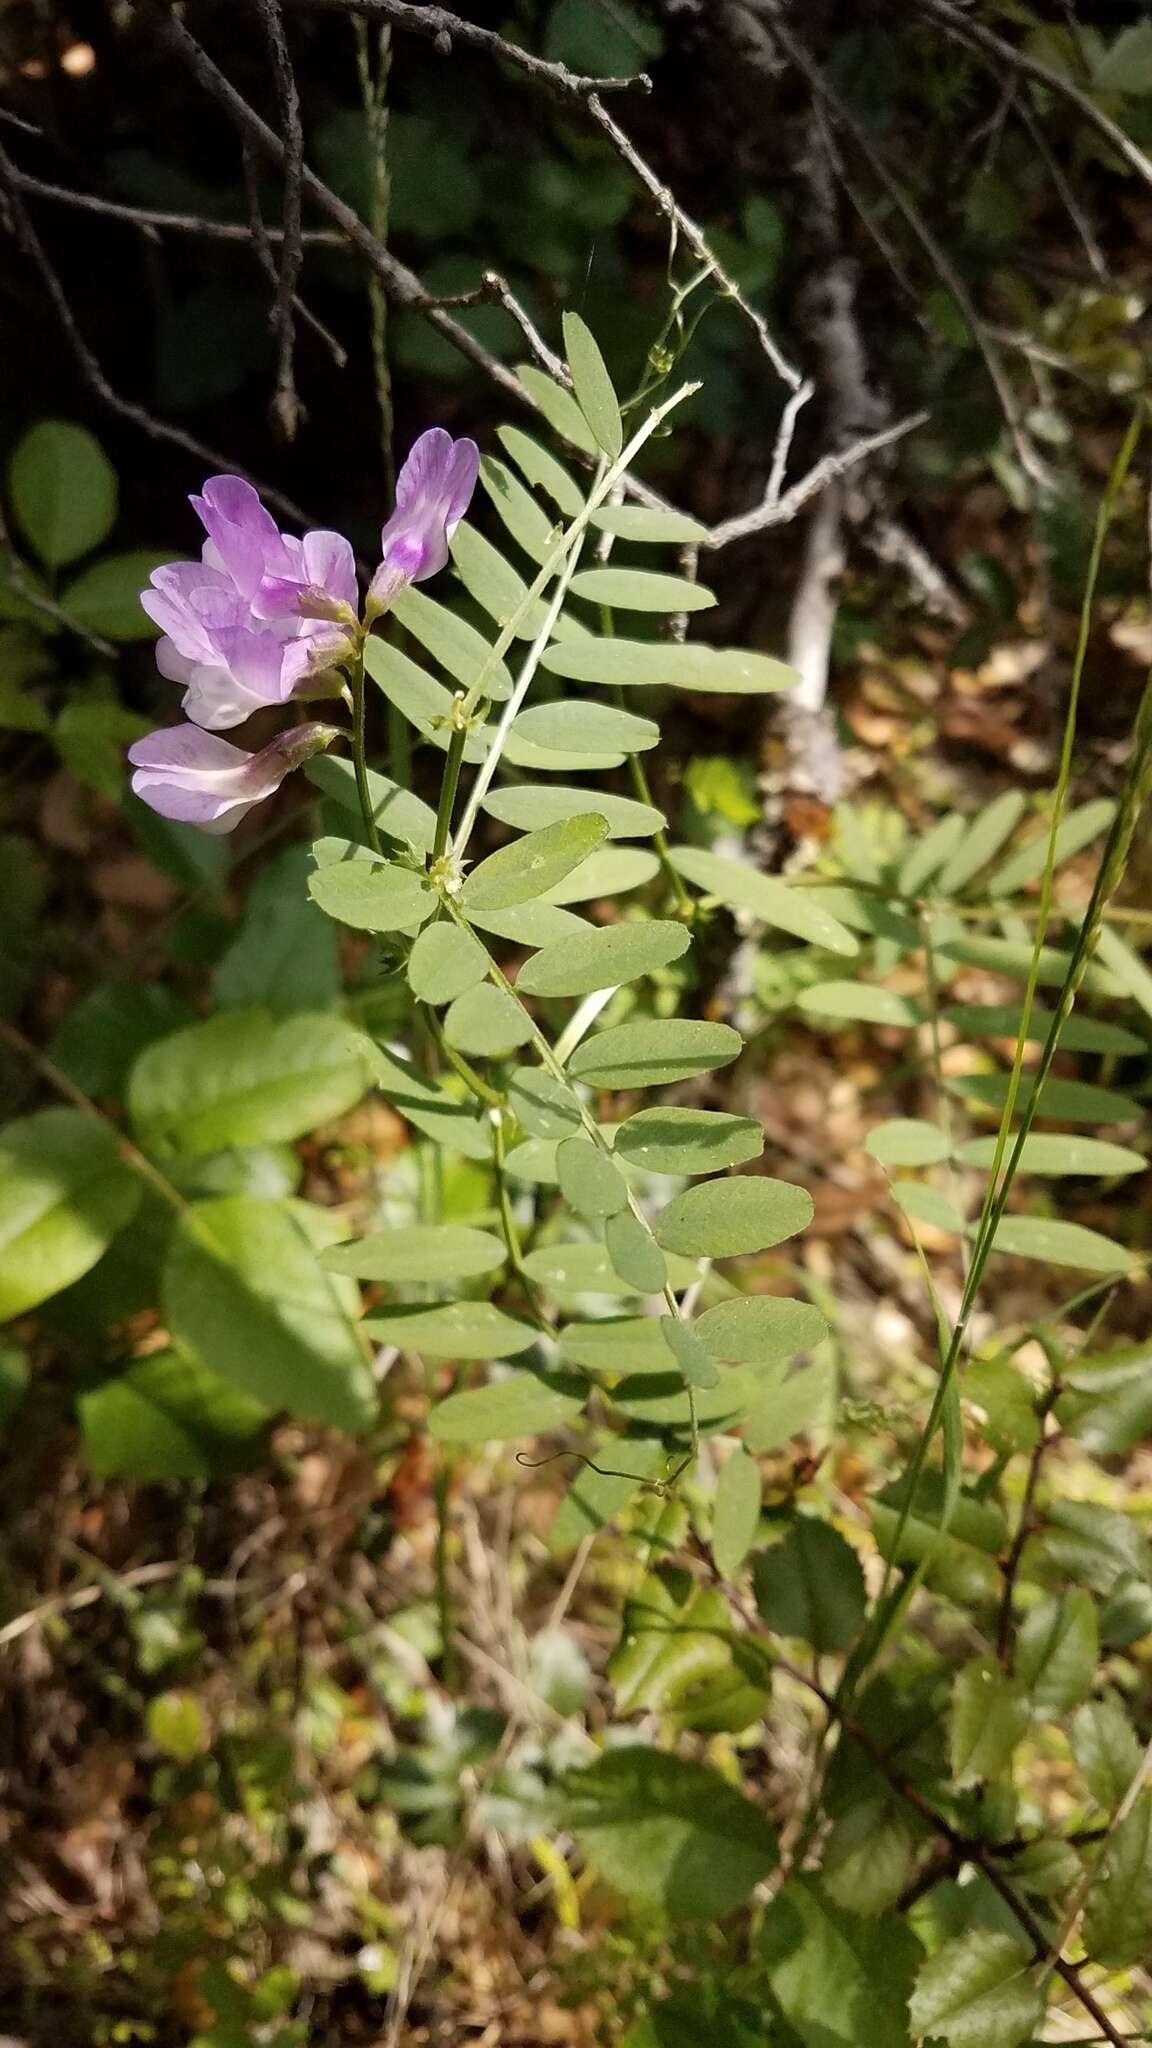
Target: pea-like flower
x: 197, y: 778
x: 433, y: 492
x: 259, y: 618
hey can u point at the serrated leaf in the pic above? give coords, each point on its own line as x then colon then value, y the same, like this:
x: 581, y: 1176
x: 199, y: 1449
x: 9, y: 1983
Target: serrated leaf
x: 558, y: 407
x: 433, y: 1251
x: 589, y: 1182
x: 487, y: 1021
x: 543, y: 1106
x: 641, y: 590
x: 453, y: 1329
x: 724, y: 1218
x: 1057, y: 1650
x: 765, y: 896
x: 397, y: 812
x: 517, y: 508
x: 458, y: 647
x: 244, y: 1293
x: 573, y: 724
x: 989, y: 1719
x: 1060, y: 1244
x: 595, y: 394
x: 653, y: 1053
x: 372, y: 895
x: 690, y: 1352
x: 63, y: 490
x: 868, y: 1857
x: 246, y: 1078
x: 1105, y: 1747
x: 981, y: 843
x: 1118, y: 1914
x: 634, y: 1254
x: 669, y: 664
x: 1094, y: 1546
x: 841, y: 1981
x: 760, y: 1329
x: 1107, y: 1402
x: 603, y: 958
x: 688, y: 1140
x: 444, y: 963
x: 64, y: 1194
x: 542, y: 470
x: 677, y: 1657
x: 906, y: 1141
x: 1059, y: 1155
x: 977, y: 1991
x: 529, y: 806
x: 523, y: 1404
x: 528, y: 867
x: 668, y: 1833
x: 859, y: 1002
x: 1077, y: 831
x: 810, y: 1586
x: 735, y: 1512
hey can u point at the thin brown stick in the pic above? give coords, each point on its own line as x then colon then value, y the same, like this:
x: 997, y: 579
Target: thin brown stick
x: 443, y: 29
x: 261, y: 241
x: 285, y: 399
x: 827, y: 471
x: 1023, y: 1527
x: 154, y: 217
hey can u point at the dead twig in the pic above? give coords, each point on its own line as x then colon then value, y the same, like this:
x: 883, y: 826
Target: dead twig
x: 261, y: 240
x: 828, y: 470
x: 285, y: 399
x: 146, y: 217
x: 443, y: 29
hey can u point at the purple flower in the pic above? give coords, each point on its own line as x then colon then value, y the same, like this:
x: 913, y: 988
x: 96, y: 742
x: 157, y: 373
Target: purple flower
x: 199, y: 779
x: 432, y: 495
x: 260, y: 614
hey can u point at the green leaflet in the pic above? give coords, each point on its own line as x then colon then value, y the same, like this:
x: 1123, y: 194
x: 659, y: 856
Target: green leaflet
x: 908, y: 1141
x: 759, y: 1329
x: 530, y: 866
x: 690, y: 1352
x: 724, y: 1218
x: 64, y: 1194
x: 558, y: 407
x: 542, y: 1105
x: 603, y: 958
x: 641, y: 590
x: 634, y: 1255
x: 859, y: 1002
x: 1057, y: 1155
x: 451, y: 641
x: 517, y: 508
x: 522, y: 1404
x: 636, y: 522
x: 542, y: 470
x: 989, y: 1719
x: 735, y: 1512
x: 1060, y: 1244
x: 433, y: 1251
x: 653, y: 1053
x: 610, y: 871
x: 589, y: 1182
x: 977, y: 1991
x: 457, y: 1329
x: 444, y: 963
x: 768, y: 898
x: 572, y: 725
x: 668, y: 664
x: 398, y: 814
x: 373, y: 895
x: 982, y: 841
x: 527, y: 806
x: 688, y: 1140
x: 593, y: 386
x: 487, y: 1021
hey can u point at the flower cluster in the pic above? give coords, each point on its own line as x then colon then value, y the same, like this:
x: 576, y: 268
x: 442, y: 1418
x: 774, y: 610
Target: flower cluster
x: 263, y: 618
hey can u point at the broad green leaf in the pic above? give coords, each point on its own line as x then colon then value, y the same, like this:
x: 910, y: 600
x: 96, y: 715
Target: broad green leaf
x: 523, y: 1404
x: 594, y: 1497
x: 542, y: 469
x: 641, y: 590
x: 427, y: 705
x: 906, y: 1141
x: 165, y: 1417
x: 925, y: 1204
x: 106, y: 596
x: 1118, y: 1914
x: 678, y: 1657
x: 246, y: 1078
x: 859, y: 1002
x: 981, y: 842
x: 542, y: 1105
x: 103, y: 1034
x: 518, y: 510
x: 603, y: 958
x: 869, y: 1856
x: 1071, y: 1101
x: 1060, y: 1244
x: 64, y: 1194
x: 1077, y: 1034
x: 989, y: 1719
x: 593, y: 386
x: 688, y: 1140
x: 530, y: 924
x: 497, y: 587
x: 573, y: 724
x: 534, y: 1160
x: 1126, y: 1616
x: 927, y: 855
x: 1007, y: 1398
x: 659, y: 1399
x: 529, y: 806
x: 691, y: 1353
x: 451, y: 641
x: 653, y: 1053
x: 634, y: 1254
x: 63, y: 491
x: 668, y: 1833
x: 774, y: 902
x: 558, y: 407
x: 1104, y: 1745
x: 610, y: 871
x: 430, y: 1108
x: 977, y: 1991
x: 372, y: 895
x: 1094, y: 1546
x: 810, y: 1586
x: 636, y: 522
x: 784, y: 1407
x: 841, y: 1981
x: 444, y: 963
x: 397, y: 812
x: 589, y: 1182
x: 760, y: 1329
x: 1078, y: 830
x: 1057, y: 1650
x: 528, y: 867
x: 487, y: 1021
x: 617, y: 1344
x: 669, y: 664
x: 285, y: 952
x: 735, y: 1512
x: 1107, y: 1402
x: 721, y: 1219
x: 243, y: 1291
x: 423, y: 1251
x: 1058, y: 1155
x: 453, y: 1329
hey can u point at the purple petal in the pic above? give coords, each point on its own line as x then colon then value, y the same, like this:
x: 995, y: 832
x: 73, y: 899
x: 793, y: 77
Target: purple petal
x: 433, y: 491
x: 244, y: 535
x: 190, y: 775
x: 330, y: 566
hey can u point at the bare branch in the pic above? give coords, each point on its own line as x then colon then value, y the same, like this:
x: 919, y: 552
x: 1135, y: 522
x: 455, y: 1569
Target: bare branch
x: 261, y: 242
x: 828, y: 470
x: 497, y: 287
x: 150, y: 217
x: 285, y: 400
x: 443, y: 29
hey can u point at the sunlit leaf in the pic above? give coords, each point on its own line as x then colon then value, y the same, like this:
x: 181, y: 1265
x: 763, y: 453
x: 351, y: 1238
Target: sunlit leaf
x: 989, y: 1720
x: 604, y: 958
x: 735, y: 1512
x: 372, y: 895
x: 1060, y: 1244
x: 653, y: 1053
x: 669, y: 664
x: 451, y: 641
x: 529, y: 866
x: 592, y: 385
x: 64, y: 1194
x: 487, y: 1021
x: 688, y: 1140
x: 522, y: 1404
x: 641, y: 590
x: 760, y: 1329
x: 444, y: 962
x: 690, y: 1352
x: 572, y: 724
x: 558, y: 407
x: 768, y: 898
x: 439, y: 1251
x: 529, y: 806
x: 668, y: 1833
x: 859, y: 1002
x: 907, y: 1141
x: 455, y: 1329
x: 723, y: 1218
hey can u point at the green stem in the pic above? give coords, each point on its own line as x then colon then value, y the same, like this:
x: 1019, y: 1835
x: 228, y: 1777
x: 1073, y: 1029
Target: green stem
x: 448, y: 789
x: 359, y: 753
